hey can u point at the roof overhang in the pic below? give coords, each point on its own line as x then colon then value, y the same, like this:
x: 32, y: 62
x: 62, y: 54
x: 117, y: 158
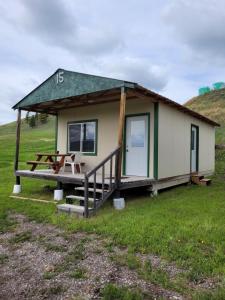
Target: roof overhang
x: 56, y: 105
x: 83, y: 89
x: 176, y: 105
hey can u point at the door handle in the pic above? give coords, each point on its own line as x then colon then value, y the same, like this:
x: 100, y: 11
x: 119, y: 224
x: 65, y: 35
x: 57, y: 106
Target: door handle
x: 127, y: 150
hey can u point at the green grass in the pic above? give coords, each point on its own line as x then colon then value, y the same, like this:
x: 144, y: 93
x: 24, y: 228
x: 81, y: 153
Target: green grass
x: 5, y: 223
x: 21, y: 237
x: 55, y: 248
x: 128, y: 259
x: 185, y: 225
x: 113, y: 292
x: 3, y: 258
x: 49, y: 275
x: 78, y: 274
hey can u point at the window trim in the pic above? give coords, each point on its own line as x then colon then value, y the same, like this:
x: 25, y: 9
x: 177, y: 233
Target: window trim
x: 96, y: 136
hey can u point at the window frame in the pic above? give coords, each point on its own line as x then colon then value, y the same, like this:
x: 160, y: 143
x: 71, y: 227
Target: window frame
x: 96, y: 137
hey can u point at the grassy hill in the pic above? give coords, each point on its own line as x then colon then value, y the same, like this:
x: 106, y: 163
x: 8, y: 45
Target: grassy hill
x: 211, y: 105
x: 38, y: 139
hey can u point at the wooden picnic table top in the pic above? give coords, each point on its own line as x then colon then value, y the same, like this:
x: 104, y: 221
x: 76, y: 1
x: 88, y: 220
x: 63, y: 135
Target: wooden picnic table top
x: 52, y: 154
x: 56, y: 165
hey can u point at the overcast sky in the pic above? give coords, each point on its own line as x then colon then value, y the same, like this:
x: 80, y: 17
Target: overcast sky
x: 172, y: 47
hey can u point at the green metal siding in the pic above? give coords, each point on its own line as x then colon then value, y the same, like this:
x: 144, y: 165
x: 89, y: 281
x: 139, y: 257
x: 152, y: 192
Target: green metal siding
x: 73, y: 84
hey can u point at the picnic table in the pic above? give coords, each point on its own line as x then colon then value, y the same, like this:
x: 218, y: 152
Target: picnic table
x: 50, y: 160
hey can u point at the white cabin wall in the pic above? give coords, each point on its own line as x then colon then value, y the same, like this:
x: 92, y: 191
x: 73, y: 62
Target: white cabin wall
x: 107, y: 116
x: 174, y: 143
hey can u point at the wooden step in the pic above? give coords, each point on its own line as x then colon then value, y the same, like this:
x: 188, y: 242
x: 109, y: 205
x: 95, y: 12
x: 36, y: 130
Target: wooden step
x: 196, y: 178
x: 205, y: 181
x: 70, y: 208
x: 90, y: 190
x: 80, y: 198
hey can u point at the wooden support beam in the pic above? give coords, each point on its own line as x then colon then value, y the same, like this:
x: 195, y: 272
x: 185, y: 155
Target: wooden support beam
x: 18, y: 125
x: 121, y: 129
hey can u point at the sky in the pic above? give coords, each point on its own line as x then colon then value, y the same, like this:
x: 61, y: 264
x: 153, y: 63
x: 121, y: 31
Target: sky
x: 172, y: 47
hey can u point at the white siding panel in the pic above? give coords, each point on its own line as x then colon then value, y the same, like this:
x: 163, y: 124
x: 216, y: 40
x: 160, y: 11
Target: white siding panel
x: 107, y: 116
x: 174, y: 143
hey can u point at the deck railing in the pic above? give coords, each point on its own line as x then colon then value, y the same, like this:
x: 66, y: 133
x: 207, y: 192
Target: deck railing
x: 113, y: 181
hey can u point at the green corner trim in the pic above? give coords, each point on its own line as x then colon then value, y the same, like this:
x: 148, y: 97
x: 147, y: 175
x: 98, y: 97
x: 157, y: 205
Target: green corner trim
x: 124, y: 141
x: 96, y: 141
x: 156, y: 138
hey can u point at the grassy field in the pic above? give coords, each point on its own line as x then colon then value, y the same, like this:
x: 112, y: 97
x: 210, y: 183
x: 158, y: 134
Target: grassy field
x: 185, y: 225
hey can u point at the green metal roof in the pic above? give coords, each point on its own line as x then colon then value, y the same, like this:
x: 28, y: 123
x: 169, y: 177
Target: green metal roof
x: 63, y: 84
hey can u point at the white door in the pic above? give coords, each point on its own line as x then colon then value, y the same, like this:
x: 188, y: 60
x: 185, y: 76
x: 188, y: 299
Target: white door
x: 194, y: 149
x: 136, y: 156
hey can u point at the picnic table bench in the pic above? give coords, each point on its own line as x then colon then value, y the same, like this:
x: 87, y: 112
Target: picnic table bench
x: 49, y: 160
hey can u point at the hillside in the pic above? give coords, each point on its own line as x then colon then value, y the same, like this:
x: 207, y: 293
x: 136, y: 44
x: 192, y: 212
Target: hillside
x: 38, y: 139
x: 211, y: 105
x: 10, y: 128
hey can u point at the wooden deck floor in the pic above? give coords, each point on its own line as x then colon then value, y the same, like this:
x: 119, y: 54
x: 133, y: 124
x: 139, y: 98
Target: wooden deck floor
x: 68, y: 177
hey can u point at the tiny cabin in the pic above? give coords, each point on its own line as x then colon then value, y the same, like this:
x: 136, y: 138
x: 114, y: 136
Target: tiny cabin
x: 126, y: 136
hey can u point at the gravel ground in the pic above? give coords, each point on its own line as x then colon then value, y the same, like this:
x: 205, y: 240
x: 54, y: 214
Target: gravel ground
x: 40, y: 261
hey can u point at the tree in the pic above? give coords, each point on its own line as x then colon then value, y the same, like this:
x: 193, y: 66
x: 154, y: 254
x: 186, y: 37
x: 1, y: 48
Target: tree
x: 32, y: 121
x: 27, y: 117
x: 43, y: 118
x: 36, y: 118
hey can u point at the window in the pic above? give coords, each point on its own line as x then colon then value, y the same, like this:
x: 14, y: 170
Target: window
x: 82, y: 137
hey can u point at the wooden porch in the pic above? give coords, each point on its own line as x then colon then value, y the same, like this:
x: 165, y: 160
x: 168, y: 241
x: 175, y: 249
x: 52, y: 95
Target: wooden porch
x: 126, y: 182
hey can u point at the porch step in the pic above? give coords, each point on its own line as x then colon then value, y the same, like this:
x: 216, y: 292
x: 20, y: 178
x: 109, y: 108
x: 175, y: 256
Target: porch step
x: 196, y: 178
x: 205, y: 181
x: 81, y: 198
x: 70, y: 208
x: 90, y: 190
x: 200, y: 180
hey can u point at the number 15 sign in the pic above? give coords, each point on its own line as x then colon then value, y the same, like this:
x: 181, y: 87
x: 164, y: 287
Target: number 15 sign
x: 59, y: 77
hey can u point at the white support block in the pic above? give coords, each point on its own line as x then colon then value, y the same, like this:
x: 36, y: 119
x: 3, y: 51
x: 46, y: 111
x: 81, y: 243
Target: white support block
x: 16, y: 189
x: 119, y: 203
x: 154, y: 193
x: 58, y: 195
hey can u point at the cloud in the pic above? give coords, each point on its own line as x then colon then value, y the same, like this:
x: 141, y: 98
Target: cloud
x: 139, y: 70
x: 49, y: 20
x: 129, y: 40
x: 199, y: 25
x: 53, y: 23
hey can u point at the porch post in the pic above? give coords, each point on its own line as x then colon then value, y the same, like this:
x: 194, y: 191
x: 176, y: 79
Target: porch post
x: 16, y: 163
x: 123, y: 97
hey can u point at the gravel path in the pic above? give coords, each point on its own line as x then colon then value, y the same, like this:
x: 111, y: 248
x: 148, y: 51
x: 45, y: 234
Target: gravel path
x: 40, y: 261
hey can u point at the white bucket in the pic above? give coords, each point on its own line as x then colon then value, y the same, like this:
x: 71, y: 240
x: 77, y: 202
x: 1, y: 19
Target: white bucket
x: 58, y: 195
x: 119, y: 203
x: 16, y: 189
